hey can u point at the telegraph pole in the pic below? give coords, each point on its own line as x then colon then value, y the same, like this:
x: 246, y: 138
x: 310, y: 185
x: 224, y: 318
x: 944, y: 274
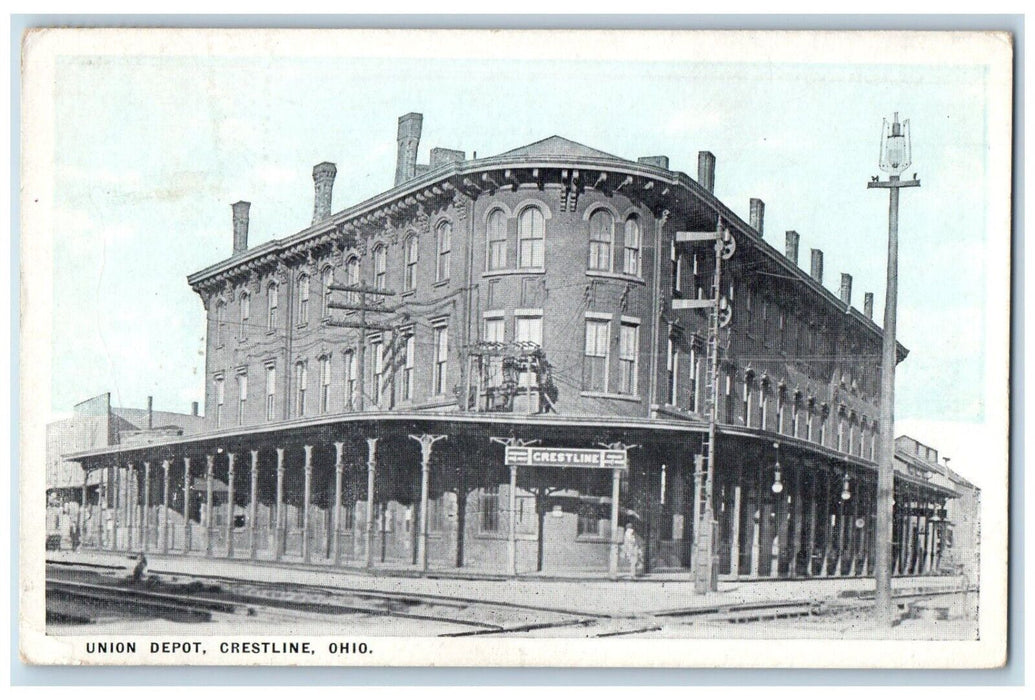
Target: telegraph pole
x: 894, y: 159
x: 363, y: 325
x: 704, y: 562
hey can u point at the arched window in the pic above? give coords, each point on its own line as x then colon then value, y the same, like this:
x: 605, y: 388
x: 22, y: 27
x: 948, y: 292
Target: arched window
x: 381, y: 267
x: 301, y: 385
x: 303, y: 299
x: 410, y: 260
x: 326, y: 280
x: 352, y: 279
x: 444, y: 238
x: 601, y: 239
x: 272, y: 303
x: 631, y: 262
x: 245, y: 314
x: 496, y: 241
x: 531, y: 237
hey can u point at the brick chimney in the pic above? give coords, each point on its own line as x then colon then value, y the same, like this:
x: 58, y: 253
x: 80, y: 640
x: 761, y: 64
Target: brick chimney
x: 792, y: 246
x: 817, y: 265
x: 240, y: 226
x: 323, y: 181
x: 194, y: 408
x: 408, y: 139
x: 656, y: 161
x: 846, y: 288
x: 706, y: 170
x: 868, y: 305
x: 757, y: 215
x: 150, y: 413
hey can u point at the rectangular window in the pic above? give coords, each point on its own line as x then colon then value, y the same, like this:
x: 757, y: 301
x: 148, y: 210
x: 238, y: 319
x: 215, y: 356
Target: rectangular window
x: 271, y: 310
x: 594, y: 365
x: 411, y: 250
x: 220, y: 323
x: 242, y: 397
x: 528, y: 329
x: 441, y: 335
x: 677, y: 270
x: 628, y: 359
x: 350, y: 378
x: 381, y: 267
x: 730, y: 417
x: 271, y: 392
x: 672, y: 366
x: 494, y: 329
x: 589, y: 523
x: 409, y: 350
x: 692, y: 382
x: 325, y: 300
x: 220, y: 398
x: 601, y: 233
x: 378, y: 369
x: 489, y: 509
x: 325, y: 384
x: 303, y: 300
x: 301, y: 383
x: 246, y: 312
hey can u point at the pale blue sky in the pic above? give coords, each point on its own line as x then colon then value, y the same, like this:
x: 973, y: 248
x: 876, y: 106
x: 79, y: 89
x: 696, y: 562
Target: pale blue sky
x: 151, y: 152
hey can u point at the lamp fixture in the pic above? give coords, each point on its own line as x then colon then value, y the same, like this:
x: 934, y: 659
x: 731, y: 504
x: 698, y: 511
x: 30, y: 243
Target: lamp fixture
x: 846, y: 492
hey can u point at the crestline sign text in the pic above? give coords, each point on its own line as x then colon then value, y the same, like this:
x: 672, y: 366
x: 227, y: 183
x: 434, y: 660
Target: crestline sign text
x: 566, y: 457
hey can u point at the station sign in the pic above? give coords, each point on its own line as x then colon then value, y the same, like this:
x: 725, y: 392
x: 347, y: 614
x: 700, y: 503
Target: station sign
x: 566, y: 457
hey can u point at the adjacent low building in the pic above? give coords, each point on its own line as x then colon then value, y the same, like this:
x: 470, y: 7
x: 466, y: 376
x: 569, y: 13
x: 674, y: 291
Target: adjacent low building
x: 366, y: 375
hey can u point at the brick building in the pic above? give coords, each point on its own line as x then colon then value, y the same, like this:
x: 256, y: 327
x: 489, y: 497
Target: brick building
x: 378, y: 358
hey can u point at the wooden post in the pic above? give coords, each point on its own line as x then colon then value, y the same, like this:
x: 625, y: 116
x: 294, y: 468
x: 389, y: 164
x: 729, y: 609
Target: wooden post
x: 371, y: 472
x: 186, y: 505
x: 735, y: 539
x: 146, y: 530
x: 827, y: 539
x: 305, y: 501
x: 616, y: 483
x: 811, y: 542
x: 230, y: 458
x: 80, y: 520
x: 426, y: 442
x: 339, y: 466
x: 841, y: 537
x: 796, y: 516
x: 253, y: 506
x: 782, y: 523
x: 279, y: 536
x: 165, y: 506
x: 127, y: 508
x: 853, y: 530
x: 117, y: 509
x: 512, y: 539
x: 210, y: 461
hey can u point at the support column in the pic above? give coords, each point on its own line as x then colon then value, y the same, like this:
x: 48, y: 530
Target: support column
x: 616, y: 484
x: 339, y: 467
x: 210, y: 461
x: 371, y: 472
x: 782, y: 526
x: 811, y: 542
x: 512, y: 538
x: 827, y: 538
x: 796, y: 516
x: 853, y: 531
x: 307, y: 496
x: 278, y: 532
x: 426, y: 442
x: 117, y: 507
x: 253, y: 505
x: 127, y: 507
x: 165, y: 506
x: 80, y: 520
x: 186, y: 505
x: 842, y: 513
x: 230, y: 458
x: 735, y: 538
x: 146, y: 525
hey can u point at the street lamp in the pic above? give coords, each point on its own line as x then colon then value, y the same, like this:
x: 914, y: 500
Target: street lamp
x: 777, y: 483
x: 846, y: 491
x: 895, y: 157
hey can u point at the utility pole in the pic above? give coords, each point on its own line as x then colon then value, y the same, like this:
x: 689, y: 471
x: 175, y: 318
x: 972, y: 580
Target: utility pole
x: 704, y: 564
x: 363, y: 307
x: 894, y: 159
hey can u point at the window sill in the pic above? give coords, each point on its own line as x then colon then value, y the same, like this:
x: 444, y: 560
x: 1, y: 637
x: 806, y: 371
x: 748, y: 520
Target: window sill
x: 408, y: 292
x: 302, y: 325
x: 515, y: 271
x: 607, y: 395
x: 271, y: 331
x: 623, y: 276
x: 593, y: 539
x: 441, y: 283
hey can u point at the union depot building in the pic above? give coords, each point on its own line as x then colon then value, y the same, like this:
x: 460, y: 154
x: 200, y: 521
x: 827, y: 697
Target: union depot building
x: 500, y: 364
